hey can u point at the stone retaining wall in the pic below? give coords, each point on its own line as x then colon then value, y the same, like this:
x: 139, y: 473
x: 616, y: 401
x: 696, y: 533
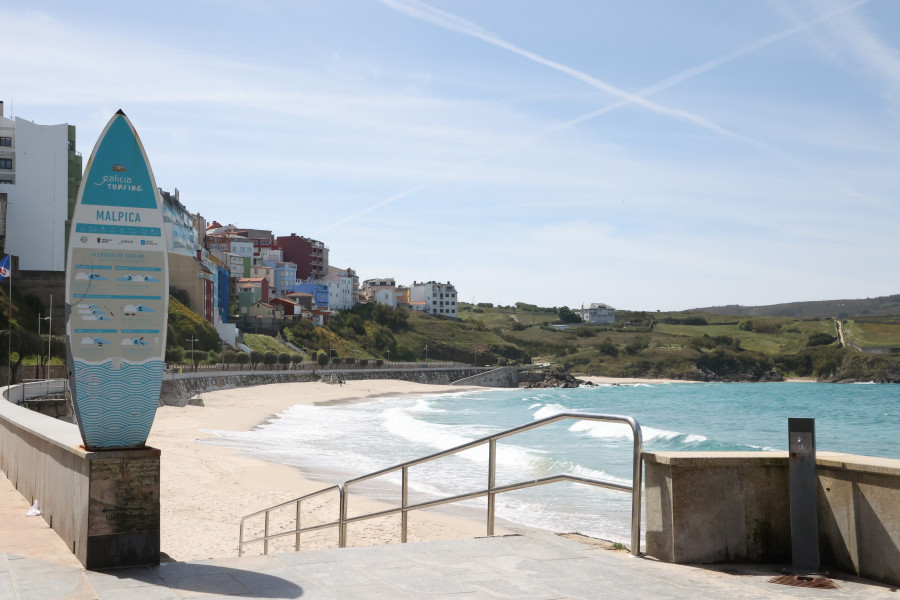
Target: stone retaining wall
x: 179, y: 388
x: 504, y: 377
x: 707, y: 507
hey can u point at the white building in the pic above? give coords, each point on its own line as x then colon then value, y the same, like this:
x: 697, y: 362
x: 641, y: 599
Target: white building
x: 434, y: 298
x: 381, y: 291
x: 234, y: 263
x: 598, y: 314
x: 40, y: 172
x: 181, y: 236
x: 341, y: 292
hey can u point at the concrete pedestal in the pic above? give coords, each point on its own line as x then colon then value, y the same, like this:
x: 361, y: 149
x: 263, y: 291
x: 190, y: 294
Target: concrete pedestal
x: 103, y: 505
x: 123, y: 509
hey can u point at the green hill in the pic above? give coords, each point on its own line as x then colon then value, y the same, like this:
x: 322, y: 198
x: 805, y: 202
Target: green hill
x: 841, y: 309
x: 712, y: 344
x: 691, y: 345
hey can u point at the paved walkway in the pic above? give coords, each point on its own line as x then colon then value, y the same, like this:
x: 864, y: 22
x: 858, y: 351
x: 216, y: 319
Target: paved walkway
x: 36, y: 565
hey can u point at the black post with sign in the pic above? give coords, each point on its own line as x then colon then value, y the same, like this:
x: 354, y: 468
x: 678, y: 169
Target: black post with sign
x: 803, y: 485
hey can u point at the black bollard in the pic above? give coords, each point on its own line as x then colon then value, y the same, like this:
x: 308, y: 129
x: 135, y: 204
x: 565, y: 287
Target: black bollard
x: 803, y: 485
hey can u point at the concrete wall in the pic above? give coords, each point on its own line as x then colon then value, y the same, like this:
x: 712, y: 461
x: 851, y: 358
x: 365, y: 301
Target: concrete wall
x: 717, y: 507
x: 103, y: 505
x: 503, y: 377
x: 735, y: 506
x: 178, y: 388
x: 859, y: 515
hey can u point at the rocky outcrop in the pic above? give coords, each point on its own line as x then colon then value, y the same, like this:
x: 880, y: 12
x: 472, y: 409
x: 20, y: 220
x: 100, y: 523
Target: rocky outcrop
x: 553, y: 378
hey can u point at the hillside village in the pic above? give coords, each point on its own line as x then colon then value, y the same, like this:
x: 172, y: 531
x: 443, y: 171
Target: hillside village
x: 237, y: 279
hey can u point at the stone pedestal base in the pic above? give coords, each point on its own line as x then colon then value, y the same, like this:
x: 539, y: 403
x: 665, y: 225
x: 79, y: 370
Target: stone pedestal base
x: 123, y: 509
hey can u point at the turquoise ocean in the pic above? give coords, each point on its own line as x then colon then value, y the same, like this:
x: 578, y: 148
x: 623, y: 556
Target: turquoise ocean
x: 339, y: 442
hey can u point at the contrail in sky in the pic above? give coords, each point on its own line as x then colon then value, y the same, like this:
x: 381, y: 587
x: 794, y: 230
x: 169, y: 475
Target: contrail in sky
x: 422, y: 11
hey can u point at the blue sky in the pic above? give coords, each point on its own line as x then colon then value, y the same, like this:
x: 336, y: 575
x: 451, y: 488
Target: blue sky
x: 650, y: 155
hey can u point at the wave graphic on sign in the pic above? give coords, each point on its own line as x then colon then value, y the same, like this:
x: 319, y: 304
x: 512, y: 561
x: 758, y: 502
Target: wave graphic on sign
x: 117, y: 406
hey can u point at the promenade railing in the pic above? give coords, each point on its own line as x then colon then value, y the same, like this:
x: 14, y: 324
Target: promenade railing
x: 343, y: 520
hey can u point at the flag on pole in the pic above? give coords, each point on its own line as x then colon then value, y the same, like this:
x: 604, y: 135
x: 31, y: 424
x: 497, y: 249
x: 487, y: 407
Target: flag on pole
x: 4, y: 268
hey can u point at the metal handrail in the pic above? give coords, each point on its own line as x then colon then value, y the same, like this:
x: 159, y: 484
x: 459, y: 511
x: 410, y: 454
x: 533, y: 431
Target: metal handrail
x: 297, y: 529
x: 490, y: 491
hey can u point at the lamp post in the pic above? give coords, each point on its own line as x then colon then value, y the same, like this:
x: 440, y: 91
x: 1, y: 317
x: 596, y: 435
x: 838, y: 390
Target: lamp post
x: 49, y: 334
x: 388, y: 352
x: 426, y: 355
x: 40, y: 318
x: 193, y: 358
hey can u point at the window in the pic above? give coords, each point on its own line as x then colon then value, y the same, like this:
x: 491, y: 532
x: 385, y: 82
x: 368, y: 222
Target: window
x: 5, y: 163
x: 5, y: 141
x: 5, y: 180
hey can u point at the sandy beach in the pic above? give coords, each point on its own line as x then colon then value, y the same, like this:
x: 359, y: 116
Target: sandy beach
x: 206, y: 490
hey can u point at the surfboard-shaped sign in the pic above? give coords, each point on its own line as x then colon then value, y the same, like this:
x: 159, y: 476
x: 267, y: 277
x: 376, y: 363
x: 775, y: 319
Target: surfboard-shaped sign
x: 117, y: 293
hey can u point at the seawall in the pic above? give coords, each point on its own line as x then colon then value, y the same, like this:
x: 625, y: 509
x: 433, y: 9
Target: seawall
x: 711, y: 507
x: 179, y: 388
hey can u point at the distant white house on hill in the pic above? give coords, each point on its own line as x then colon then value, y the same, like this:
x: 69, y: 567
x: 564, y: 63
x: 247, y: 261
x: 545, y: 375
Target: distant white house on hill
x: 598, y: 314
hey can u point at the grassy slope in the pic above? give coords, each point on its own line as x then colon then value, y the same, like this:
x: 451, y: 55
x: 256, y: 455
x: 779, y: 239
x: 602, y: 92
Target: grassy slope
x: 264, y: 343
x: 449, y: 340
x: 873, y: 332
x: 666, y: 349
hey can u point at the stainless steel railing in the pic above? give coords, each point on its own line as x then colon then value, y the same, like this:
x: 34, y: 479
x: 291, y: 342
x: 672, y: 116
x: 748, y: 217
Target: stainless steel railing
x: 490, y: 491
x: 267, y: 536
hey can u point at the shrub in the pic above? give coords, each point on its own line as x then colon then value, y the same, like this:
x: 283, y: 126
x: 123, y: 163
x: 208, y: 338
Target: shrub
x: 477, y: 324
x: 174, y: 354
x: 636, y: 346
x: 363, y: 362
x: 243, y: 358
x: 195, y: 356
x: 820, y: 339
x: 608, y: 348
x: 759, y: 326
x: 322, y: 359
x: 567, y: 315
x: 284, y: 359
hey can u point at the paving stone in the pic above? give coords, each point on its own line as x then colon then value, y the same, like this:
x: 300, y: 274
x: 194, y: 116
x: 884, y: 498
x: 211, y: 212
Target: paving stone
x: 535, y: 566
x: 198, y: 586
x: 124, y: 578
x: 271, y: 583
x: 151, y: 592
